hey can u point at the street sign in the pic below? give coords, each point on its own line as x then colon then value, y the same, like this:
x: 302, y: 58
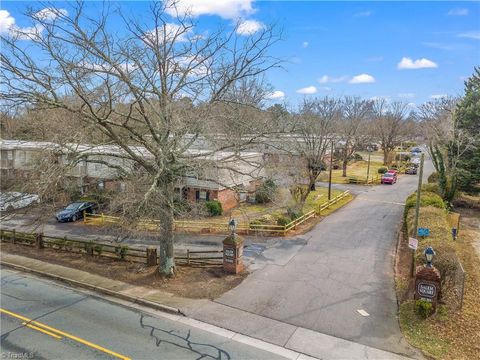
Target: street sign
x: 423, y: 232
x: 413, y: 243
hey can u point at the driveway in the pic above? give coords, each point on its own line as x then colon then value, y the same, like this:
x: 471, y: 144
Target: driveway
x: 345, y: 266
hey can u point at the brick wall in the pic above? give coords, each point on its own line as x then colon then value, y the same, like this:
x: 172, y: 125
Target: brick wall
x: 228, y: 198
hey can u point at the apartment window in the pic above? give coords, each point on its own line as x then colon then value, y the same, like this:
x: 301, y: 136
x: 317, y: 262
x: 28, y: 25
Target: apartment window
x: 101, y: 185
x: 202, y: 195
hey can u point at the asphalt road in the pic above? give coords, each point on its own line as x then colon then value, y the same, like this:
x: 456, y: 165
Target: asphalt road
x: 43, y: 320
x: 347, y: 265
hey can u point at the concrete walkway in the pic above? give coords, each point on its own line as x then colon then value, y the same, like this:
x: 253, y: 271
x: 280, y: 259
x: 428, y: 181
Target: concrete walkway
x: 277, y: 333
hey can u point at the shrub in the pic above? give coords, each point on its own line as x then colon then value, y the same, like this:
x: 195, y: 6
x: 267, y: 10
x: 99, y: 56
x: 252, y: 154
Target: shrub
x: 283, y: 220
x: 293, y: 213
x: 433, y: 188
x: 426, y: 199
x: 98, y: 249
x: 121, y: 251
x: 214, y: 207
x: 357, y: 157
x: 382, y: 170
x: 266, y: 192
x: 423, y: 308
x: 433, y: 177
x: 403, y: 157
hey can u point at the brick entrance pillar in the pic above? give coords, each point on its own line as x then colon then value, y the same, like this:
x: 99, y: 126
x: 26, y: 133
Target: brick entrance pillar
x: 427, y: 285
x: 233, y: 254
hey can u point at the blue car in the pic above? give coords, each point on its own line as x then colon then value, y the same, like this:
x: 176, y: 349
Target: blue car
x: 74, y: 211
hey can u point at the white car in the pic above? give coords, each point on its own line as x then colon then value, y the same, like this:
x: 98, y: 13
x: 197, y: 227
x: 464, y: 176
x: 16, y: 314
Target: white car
x: 16, y: 200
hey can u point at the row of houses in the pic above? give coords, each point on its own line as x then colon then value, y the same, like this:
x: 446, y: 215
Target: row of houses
x: 224, y: 176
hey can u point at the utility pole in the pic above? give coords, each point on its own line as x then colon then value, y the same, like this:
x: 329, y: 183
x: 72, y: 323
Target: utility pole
x: 369, y: 149
x: 417, y: 211
x: 330, y: 173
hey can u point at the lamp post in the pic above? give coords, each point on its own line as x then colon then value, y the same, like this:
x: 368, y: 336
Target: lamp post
x: 369, y: 149
x: 429, y: 254
x: 232, y: 226
x: 330, y: 173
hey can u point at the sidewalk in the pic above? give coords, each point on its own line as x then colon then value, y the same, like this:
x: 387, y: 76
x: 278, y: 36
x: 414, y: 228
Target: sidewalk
x: 287, y: 336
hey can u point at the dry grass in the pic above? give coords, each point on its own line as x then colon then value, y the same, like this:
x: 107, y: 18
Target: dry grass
x: 357, y: 169
x: 449, y: 334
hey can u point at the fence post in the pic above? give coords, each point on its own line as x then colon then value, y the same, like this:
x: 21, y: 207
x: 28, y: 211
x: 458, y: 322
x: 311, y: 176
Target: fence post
x: 151, y: 256
x: 89, y: 249
x: 39, y: 241
x: 14, y: 235
x: 188, y: 257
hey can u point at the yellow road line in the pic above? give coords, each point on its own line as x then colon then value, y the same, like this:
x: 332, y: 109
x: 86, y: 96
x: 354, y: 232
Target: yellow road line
x: 42, y: 330
x: 67, y: 335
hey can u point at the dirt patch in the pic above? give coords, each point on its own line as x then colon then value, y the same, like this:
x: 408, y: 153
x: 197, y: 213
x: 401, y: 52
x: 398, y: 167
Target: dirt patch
x: 189, y: 282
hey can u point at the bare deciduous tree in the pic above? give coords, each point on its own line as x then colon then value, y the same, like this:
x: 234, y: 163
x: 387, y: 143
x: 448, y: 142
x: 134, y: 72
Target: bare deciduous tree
x: 129, y: 86
x: 351, y: 127
x: 314, y: 129
x: 388, y: 125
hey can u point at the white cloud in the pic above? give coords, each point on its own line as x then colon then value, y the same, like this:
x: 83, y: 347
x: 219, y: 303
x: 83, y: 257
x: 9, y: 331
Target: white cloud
x: 363, y: 14
x: 406, y: 95
x: 470, y: 35
x: 172, y: 32
x: 408, y: 63
x: 305, y: 44
x: 307, y: 90
x: 458, y: 12
x: 438, y: 96
x: 328, y: 79
x: 440, y: 46
x: 276, y: 95
x: 27, y: 33
x: 50, y: 13
x: 249, y: 27
x: 326, y: 88
x: 6, y: 21
x: 362, y: 79
x: 227, y: 9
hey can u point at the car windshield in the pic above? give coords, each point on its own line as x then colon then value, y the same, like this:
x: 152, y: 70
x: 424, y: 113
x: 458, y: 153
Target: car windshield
x: 73, y: 206
x: 388, y: 175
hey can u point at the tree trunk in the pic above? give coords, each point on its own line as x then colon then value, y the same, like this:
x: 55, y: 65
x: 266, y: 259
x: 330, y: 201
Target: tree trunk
x: 385, y: 157
x: 344, y: 168
x: 166, y: 264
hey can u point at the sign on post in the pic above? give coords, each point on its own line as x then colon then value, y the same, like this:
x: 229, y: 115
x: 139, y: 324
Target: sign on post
x: 423, y: 232
x: 412, y: 243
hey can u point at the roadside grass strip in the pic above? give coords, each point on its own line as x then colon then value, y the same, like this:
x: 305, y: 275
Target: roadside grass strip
x: 35, y: 325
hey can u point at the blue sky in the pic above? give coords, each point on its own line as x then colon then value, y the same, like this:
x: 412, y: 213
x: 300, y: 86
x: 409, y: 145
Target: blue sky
x: 409, y: 51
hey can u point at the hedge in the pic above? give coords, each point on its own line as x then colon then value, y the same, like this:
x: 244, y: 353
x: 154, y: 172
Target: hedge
x: 426, y: 199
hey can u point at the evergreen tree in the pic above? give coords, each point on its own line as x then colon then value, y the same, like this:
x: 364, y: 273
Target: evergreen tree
x: 468, y: 121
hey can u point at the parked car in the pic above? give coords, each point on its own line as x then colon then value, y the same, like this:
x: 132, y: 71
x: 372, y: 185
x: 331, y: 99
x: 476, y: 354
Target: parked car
x: 389, y: 178
x: 74, y: 211
x: 392, y: 171
x: 412, y: 170
x: 16, y: 200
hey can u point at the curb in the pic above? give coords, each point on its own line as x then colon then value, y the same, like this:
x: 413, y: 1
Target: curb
x: 133, y: 299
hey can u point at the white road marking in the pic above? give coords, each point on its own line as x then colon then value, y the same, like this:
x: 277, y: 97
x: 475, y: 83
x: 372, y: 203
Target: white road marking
x: 363, y: 312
